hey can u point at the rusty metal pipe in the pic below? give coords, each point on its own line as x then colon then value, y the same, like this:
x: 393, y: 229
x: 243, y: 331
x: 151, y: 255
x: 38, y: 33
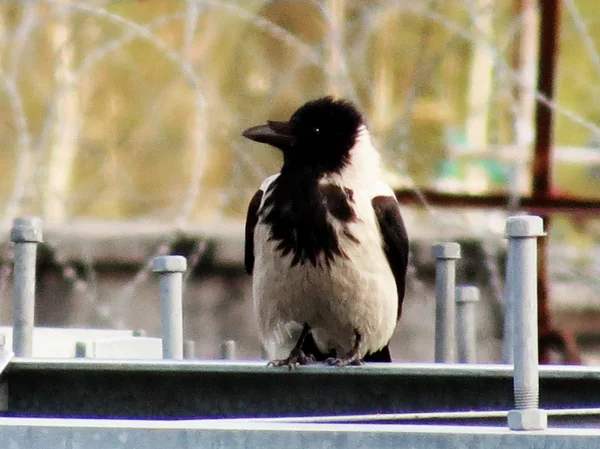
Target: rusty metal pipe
x: 544, y: 115
x: 542, y: 158
x: 539, y: 205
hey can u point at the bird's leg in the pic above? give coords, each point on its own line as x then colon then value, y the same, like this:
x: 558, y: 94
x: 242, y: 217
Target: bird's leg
x: 297, y: 356
x: 351, y: 357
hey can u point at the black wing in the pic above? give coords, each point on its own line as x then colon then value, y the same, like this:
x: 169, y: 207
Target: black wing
x: 395, y: 240
x: 251, y: 220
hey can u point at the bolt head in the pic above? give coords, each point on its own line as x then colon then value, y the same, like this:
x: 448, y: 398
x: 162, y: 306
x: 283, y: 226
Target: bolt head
x: 528, y: 419
x: 525, y: 226
x: 26, y: 229
x: 448, y: 250
x: 169, y: 264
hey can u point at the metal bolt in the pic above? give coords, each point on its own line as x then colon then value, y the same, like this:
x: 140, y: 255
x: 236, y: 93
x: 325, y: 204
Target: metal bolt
x: 508, y: 341
x: 521, y: 287
x: 26, y: 233
x: 171, y: 269
x: 466, y: 297
x: 228, y: 350
x: 445, y: 307
x: 189, y: 349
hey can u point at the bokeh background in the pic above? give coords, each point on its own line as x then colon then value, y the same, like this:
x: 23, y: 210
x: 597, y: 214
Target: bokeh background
x: 120, y: 127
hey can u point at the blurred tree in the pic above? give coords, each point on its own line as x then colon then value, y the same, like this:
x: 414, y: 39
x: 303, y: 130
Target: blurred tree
x: 479, y: 91
x: 335, y: 11
x: 118, y: 110
x: 65, y: 117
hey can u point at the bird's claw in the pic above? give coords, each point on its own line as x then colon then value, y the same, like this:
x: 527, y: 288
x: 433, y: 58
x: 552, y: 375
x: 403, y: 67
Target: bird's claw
x: 351, y: 358
x: 293, y: 360
x: 344, y: 361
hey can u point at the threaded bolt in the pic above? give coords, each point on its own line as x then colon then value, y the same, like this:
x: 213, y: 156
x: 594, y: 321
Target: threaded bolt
x: 521, y: 287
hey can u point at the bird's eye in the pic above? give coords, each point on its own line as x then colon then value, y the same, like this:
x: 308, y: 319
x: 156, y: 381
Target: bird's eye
x: 316, y: 130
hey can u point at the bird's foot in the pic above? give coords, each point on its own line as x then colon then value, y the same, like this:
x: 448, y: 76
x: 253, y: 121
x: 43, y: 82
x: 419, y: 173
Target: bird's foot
x: 296, y: 357
x: 350, y: 360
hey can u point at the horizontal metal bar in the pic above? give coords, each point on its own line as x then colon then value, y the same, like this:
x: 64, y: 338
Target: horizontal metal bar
x: 220, y: 389
x: 260, y: 367
x: 115, y: 434
x: 514, y: 153
x: 234, y: 424
x: 387, y: 417
x: 538, y: 205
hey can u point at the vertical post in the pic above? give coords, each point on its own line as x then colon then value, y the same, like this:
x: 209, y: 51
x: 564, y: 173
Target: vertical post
x: 26, y: 233
x: 545, y: 125
x: 5, y: 358
x: 522, y: 233
x: 445, y: 307
x: 550, y: 12
x: 228, y: 350
x: 509, y: 318
x: 189, y: 349
x: 171, y: 269
x: 466, y: 297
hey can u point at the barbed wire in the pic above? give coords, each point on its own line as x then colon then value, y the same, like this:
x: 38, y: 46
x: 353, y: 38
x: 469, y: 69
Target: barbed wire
x: 206, y: 110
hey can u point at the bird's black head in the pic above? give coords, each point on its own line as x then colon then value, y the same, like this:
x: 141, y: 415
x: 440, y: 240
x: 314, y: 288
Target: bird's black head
x: 319, y: 135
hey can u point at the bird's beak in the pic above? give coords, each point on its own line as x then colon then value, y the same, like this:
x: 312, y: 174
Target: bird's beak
x: 277, y: 134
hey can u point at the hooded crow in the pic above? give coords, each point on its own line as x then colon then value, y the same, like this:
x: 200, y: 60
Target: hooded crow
x: 325, y: 241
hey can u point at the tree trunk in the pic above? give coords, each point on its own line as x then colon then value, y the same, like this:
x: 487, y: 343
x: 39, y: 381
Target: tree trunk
x: 66, y: 120
x: 527, y: 62
x: 480, y: 78
x: 335, y: 39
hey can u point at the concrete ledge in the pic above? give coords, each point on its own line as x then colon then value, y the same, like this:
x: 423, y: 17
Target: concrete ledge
x: 116, y: 434
x: 54, y: 342
x: 146, y: 348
